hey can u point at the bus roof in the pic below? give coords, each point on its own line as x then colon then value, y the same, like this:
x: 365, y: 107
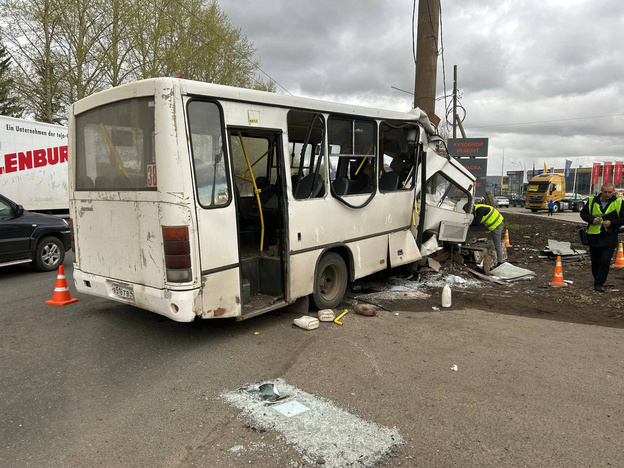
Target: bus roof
x: 189, y: 87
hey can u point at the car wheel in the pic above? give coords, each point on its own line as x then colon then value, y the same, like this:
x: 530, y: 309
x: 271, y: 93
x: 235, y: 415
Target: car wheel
x: 330, y: 281
x: 49, y: 254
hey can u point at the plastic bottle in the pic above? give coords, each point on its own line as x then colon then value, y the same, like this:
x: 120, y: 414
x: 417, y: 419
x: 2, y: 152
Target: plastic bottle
x: 446, y: 296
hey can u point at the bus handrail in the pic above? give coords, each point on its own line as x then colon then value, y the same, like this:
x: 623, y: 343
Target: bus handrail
x: 256, y: 190
x: 111, y: 145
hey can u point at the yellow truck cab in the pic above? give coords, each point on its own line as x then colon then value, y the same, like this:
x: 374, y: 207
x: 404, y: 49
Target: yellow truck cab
x: 550, y: 186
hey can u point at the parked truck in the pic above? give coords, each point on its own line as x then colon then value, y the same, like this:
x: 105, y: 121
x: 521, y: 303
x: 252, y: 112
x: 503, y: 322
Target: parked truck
x: 551, y: 186
x: 33, y: 164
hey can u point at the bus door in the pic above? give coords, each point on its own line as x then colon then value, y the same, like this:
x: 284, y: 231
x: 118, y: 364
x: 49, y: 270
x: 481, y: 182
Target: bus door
x: 260, y: 200
x: 216, y: 213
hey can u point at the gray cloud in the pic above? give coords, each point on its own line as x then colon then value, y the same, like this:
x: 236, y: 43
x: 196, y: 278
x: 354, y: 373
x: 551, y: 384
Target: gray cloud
x: 533, y: 61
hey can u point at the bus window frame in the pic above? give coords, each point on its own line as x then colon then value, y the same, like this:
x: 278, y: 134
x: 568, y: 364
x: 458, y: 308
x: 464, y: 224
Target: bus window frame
x: 224, y: 150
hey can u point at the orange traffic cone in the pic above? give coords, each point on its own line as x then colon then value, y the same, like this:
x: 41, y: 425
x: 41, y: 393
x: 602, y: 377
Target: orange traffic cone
x: 557, y: 281
x: 619, y: 261
x: 507, y: 244
x: 61, y: 294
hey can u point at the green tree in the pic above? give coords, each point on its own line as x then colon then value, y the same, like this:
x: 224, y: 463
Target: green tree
x: 9, y: 103
x: 29, y: 34
x: 68, y: 49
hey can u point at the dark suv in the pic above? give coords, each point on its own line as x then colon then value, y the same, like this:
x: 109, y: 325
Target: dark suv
x: 31, y: 237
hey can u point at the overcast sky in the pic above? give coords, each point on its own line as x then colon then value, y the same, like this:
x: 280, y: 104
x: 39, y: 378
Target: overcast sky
x: 543, y: 80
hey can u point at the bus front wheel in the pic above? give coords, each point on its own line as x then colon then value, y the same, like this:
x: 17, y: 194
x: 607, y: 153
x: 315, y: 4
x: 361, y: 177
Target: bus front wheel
x: 330, y: 281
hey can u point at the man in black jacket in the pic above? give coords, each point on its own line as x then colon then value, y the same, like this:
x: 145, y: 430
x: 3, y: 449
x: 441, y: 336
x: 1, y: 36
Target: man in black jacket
x: 603, y: 215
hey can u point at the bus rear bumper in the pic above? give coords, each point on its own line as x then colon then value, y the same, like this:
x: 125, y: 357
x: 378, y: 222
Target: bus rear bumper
x: 176, y: 305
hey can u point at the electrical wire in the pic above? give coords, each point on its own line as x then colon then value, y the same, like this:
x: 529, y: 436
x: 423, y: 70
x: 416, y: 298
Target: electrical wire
x: 413, y: 38
x: 547, y: 121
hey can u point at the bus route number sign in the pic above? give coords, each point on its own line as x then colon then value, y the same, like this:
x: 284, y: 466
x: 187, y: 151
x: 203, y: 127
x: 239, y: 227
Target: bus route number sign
x: 152, y: 178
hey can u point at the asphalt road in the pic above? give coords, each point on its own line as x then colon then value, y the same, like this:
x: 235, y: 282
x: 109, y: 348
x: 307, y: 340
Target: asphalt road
x: 98, y: 384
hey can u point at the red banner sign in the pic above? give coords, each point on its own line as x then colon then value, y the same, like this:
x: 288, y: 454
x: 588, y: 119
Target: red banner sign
x: 617, y: 173
x: 595, y: 173
x: 606, y: 172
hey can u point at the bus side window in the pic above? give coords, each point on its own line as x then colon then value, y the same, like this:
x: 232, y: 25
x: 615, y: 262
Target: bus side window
x: 396, y: 168
x: 353, y: 152
x: 307, y: 156
x: 208, y: 158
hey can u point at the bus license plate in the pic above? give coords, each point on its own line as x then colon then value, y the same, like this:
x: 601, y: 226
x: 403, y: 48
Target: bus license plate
x: 126, y: 293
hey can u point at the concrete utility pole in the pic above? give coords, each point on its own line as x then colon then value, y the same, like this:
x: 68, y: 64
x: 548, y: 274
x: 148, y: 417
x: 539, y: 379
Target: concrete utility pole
x: 427, y: 55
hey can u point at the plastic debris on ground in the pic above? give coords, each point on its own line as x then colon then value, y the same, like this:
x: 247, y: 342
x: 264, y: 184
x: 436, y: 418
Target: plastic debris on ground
x: 307, y: 322
x: 508, y: 272
x: 564, y: 250
x: 326, y: 315
x: 317, y: 427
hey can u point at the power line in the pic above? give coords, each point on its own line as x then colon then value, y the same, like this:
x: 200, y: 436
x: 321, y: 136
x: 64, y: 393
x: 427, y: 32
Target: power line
x: 546, y: 121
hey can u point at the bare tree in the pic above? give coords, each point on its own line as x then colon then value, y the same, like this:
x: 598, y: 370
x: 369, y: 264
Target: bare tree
x: 68, y: 49
x: 29, y: 39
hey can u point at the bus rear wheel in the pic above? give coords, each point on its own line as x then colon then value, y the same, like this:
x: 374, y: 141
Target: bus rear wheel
x: 330, y: 281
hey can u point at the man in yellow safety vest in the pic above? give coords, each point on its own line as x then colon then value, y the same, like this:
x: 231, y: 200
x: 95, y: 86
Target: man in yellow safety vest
x: 603, y: 214
x: 490, y: 218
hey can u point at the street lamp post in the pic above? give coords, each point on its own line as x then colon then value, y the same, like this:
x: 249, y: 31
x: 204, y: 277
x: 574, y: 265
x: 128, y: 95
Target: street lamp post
x: 502, y: 172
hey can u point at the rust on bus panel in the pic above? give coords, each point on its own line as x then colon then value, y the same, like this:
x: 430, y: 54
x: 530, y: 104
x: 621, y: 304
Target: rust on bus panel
x: 218, y: 312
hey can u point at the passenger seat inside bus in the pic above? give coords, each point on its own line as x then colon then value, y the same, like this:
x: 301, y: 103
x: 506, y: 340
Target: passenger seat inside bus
x: 310, y: 186
x: 340, y: 185
x: 361, y: 184
x: 389, y: 182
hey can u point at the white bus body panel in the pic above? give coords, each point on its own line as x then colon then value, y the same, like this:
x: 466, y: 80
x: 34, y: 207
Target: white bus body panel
x: 451, y: 221
x: 33, y: 164
x: 322, y: 222
x: 119, y: 233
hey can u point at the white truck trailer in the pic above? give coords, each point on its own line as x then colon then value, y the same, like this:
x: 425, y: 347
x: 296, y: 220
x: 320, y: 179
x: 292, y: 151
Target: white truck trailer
x: 33, y: 164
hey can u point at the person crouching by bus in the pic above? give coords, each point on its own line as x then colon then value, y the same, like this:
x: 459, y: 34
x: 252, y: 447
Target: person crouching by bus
x: 490, y: 218
x: 603, y: 214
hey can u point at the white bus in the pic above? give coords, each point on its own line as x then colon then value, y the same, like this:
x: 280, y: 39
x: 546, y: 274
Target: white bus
x: 192, y: 200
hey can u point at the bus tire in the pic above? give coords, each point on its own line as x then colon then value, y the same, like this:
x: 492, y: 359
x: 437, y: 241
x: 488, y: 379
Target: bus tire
x: 49, y: 254
x: 330, y: 281
x: 556, y: 208
x: 534, y: 210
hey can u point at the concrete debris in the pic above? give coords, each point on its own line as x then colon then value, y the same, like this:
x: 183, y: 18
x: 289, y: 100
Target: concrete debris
x: 433, y: 264
x: 365, y: 309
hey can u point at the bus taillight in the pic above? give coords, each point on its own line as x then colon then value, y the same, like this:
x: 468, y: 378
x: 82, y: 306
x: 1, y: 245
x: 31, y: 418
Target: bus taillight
x: 177, y: 253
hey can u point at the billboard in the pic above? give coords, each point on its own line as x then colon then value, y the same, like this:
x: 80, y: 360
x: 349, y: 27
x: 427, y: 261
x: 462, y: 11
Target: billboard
x: 467, y: 147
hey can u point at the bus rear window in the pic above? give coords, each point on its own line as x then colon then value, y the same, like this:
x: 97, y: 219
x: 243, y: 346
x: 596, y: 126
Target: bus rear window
x: 115, y: 147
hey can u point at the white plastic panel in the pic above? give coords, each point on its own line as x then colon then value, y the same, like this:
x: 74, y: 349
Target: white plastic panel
x: 403, y: 249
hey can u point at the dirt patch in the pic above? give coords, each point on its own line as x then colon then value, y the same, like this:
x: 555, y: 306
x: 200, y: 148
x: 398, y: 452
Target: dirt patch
x: 529, y: 235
